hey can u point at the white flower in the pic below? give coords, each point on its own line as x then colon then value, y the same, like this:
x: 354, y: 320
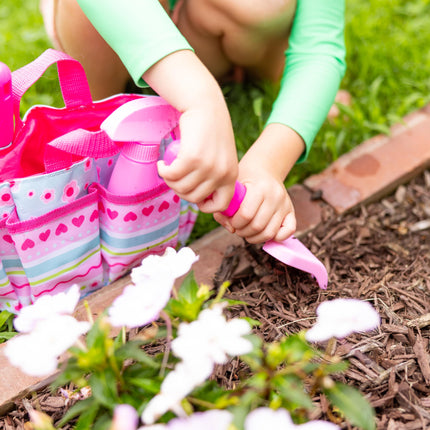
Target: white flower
x: 209, y: 420
x: 211, y: 336
x: 153, y: 281
x: 46, y: 306
x: 280, y: 419
x: 125, y: 417
x: 26, y: 353
x: 140, y: 304
x: 341, y: 317
x: 175, y: 387
x: 266, y: 418
x: 36, y: 353
x: 318, y: 425
x: 154, y: 427
x: 170, y: 265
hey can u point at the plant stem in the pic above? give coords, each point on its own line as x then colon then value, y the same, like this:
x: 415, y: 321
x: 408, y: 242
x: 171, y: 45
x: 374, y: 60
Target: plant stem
x: 168, y: 341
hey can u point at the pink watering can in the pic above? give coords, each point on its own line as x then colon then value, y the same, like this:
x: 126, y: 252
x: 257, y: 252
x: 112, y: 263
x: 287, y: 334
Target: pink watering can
x: 142, y: 124
x: 6, y: 107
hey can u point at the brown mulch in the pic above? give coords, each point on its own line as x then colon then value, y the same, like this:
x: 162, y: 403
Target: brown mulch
x: 379, y: 253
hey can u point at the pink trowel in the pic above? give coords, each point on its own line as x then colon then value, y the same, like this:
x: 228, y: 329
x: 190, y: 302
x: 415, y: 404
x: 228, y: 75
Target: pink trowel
x: 133, y: 122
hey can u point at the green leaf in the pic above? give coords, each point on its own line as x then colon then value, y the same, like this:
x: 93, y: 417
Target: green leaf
x: 150, y: 385
x: 132, y: 350
x: 77, y: 409
x: 352, y: 404
x: 189, y: 289
x: 4, y: 317
x: 296, y: 348
x: 6, y: 335
x: 87, y: 417
x: 104, y: 388
x: 292, y: 391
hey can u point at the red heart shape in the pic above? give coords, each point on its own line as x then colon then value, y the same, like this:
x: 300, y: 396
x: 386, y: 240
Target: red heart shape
x: 78, y: 221
x: 148, y: 210
x: 101, y: 207
x: 176, y: 198
x: 44, y: 235
x: 7, y: 238
x: 62, y: 228
x: 131, y: 216
x: 94, y: 215
x: 28, y: 243
x: 164, y: 206
x: 111, y: 214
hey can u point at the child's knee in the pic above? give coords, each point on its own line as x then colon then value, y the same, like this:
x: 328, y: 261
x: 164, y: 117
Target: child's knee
x: 269, y: 15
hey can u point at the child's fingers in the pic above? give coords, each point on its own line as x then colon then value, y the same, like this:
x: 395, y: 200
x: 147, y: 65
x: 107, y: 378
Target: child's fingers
x: 217, y: 201
x: 262, y: 230
x: 288, y: 227
x: 175, y: 171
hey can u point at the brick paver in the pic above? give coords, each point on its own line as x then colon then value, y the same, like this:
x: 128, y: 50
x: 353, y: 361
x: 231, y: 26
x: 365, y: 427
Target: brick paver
x: 377, y: 166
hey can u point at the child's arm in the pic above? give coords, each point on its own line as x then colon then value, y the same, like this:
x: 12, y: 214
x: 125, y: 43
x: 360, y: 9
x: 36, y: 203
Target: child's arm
x: 155, y: 53
x: 267, y: 211
x: 207, y: 161
x: 315, y: 64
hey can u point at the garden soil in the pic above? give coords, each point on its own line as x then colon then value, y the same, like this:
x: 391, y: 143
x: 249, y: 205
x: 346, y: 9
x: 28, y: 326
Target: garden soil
x: 380, y: 253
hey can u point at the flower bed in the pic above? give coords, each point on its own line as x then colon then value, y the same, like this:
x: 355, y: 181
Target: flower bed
x: 380, y: 254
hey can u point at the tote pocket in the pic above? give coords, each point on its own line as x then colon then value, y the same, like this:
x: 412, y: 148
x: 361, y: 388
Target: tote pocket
x: 60, y: 248
x: 132, y: 227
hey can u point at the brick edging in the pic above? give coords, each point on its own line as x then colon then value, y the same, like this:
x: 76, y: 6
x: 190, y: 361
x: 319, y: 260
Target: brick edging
x: 366, y: 173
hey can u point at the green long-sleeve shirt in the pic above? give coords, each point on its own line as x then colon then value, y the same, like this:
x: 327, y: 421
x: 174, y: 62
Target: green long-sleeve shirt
x: 141, y: 33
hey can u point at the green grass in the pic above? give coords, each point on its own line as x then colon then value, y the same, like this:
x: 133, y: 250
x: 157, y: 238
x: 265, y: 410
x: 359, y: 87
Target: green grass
x: 388, y: 76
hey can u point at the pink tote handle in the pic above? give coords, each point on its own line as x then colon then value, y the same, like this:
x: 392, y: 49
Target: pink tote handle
x: 70, y: 147
x: 73, y: 81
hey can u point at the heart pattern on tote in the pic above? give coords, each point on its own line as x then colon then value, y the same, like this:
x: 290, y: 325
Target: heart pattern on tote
x: 111, y: 214
x: 147, y: 210
x: 176, y: 198
x: 62, y: 228
x: 78, y: 221
x: 8, y: 238
x: 44, y: 235
x: 28, y: 244
x: 94, y: 215
x: 164, y: 206
x: 130, y: 216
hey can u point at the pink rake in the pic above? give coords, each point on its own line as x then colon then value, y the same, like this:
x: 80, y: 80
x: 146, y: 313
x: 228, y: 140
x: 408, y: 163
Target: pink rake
x: 143, y: 119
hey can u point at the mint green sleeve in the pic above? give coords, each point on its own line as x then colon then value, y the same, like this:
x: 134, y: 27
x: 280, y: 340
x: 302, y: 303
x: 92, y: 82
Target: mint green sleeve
x: 315, y: 65
x: 139, y: 31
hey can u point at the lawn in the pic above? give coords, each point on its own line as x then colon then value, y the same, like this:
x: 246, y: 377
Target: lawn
x: 388, y: 76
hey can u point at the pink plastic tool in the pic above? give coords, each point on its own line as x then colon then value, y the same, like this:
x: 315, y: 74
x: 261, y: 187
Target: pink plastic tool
x: 134, y: 121
x: 6, y: 107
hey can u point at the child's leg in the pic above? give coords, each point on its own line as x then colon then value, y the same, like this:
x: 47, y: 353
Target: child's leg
x: 227, y: 33
x: 74, y: 34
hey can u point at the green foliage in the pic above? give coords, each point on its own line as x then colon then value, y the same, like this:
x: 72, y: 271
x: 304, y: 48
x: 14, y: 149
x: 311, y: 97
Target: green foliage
x: 6, y: 326
x: 352, y: 404
x: 288, y: 373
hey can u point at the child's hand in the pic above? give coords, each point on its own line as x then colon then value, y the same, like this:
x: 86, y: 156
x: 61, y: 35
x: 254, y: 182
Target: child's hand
x: 205, y: 169
x: 207, y: 161
x: 266, y: 211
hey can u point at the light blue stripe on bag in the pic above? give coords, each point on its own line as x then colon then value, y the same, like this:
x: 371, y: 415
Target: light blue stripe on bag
x: 68, y: 258
x: 136, y: 241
